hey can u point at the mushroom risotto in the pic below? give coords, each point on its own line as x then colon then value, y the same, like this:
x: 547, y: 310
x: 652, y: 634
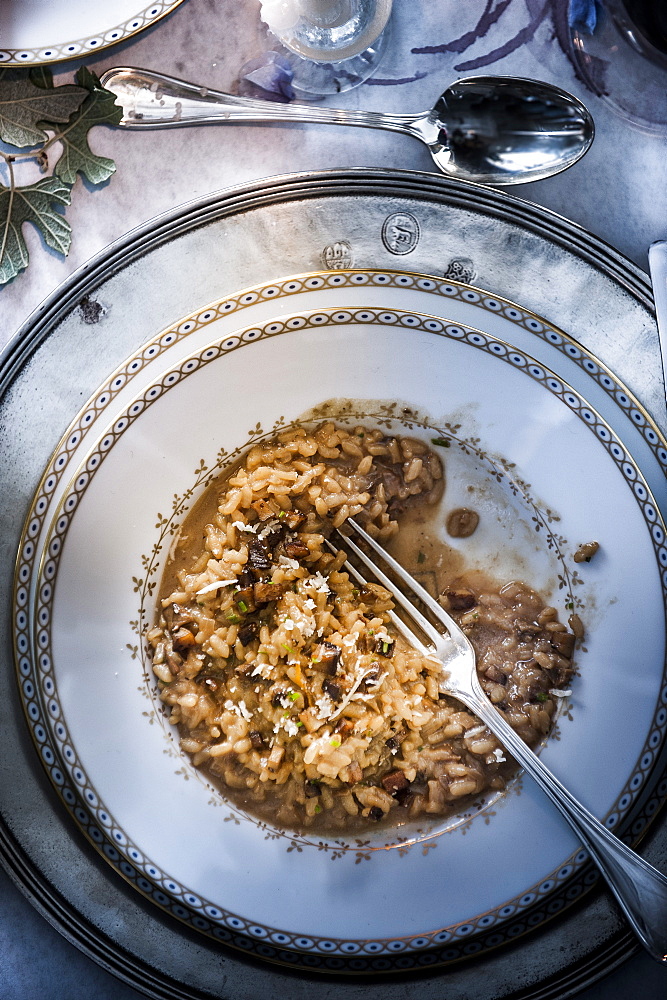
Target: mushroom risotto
x: 289, y: 685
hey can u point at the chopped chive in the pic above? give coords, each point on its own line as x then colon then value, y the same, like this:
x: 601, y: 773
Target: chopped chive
x: 288, y: 648
x: 299, y: 723
x: 335, y: 742
x: 385, y: 647
x: 440, y: 442
x: 285, y: 715
x: 281, y: 514
x: 293, y: 695
x: 242, y: 606
x: 234, y: 619
x: 421, y: 557
x: 317, y: 809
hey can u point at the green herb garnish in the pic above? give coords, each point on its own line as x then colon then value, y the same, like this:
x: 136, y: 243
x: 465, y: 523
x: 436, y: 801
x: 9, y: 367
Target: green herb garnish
x: 542, y: 696
x: 234, y: 619
x: 385, y: 647
x: 288, y: 648
x: 317, y: 809
x: 242, y: 606
x: 440, y: 442
x: 294, y: 695
x: 335, y: 742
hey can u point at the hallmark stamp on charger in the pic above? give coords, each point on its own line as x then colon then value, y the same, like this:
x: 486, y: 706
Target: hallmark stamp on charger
x: 338, y: 256
x: 400, y: 233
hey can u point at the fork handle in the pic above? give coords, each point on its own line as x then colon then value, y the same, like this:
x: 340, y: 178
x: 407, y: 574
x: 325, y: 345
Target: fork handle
x: 640, y: 889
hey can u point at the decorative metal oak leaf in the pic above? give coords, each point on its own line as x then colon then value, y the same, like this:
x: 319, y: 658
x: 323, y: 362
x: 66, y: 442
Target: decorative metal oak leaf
x: 24, y: 104
x: 99, y: 108
x: 34, y: 203
x: 35, y: 113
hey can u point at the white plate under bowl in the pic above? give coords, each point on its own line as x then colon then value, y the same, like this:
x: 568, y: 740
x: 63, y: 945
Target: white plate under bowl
x: 550, y: 470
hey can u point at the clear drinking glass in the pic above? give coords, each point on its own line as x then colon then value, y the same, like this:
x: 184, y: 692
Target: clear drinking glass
x: 331, y: 45
x: 624, y: 60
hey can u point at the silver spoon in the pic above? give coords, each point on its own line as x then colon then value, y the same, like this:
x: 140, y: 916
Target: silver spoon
x: 495, y: 130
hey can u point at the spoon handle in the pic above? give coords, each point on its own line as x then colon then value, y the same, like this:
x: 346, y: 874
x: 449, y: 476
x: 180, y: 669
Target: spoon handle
x: 153, y: 100
x: 640, y: 889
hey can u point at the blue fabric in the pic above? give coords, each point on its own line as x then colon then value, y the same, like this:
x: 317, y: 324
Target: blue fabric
x: 268, y: 76
x: 584, y: 14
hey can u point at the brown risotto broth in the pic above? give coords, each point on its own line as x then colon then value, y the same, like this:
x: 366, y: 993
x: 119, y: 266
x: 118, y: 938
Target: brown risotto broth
x: 289, y: 686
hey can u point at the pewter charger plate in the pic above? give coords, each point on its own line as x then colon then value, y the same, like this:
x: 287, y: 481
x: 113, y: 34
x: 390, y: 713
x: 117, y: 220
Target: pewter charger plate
x: 400, y: 231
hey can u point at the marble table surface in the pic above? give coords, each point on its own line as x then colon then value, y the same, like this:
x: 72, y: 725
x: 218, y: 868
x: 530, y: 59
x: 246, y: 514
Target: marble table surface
x: 619, y: 192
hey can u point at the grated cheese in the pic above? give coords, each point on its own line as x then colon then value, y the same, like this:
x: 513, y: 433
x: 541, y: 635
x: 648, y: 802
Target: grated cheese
x: 289, y: 725
x: 216, y: 585
x: 324, y: 706
x: 252, y: 528
x: 317, y: 582
x: 264, y: 670
x: 350, y: 694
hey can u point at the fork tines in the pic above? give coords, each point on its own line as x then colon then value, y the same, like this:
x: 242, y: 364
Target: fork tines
x: 416, y: 616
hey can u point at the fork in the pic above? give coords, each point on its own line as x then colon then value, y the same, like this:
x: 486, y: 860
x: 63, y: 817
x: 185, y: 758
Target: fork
x: 640, y: 889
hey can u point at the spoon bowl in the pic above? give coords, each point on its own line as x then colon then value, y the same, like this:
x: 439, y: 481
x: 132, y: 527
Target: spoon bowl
x: 494, y: 130
x: 506, y: 131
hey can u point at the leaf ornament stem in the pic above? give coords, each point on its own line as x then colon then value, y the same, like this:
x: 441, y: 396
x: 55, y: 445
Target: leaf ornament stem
x: 34, y: 113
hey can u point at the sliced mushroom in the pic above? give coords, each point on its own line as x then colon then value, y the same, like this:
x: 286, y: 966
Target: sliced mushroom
x: 394, y: 782
x: 328, y: 657
x: 296, y: 549
x: 460, y: 600
x: 265, y: 592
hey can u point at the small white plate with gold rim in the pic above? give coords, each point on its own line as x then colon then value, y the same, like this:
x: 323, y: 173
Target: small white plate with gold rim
x: 35, y: 32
